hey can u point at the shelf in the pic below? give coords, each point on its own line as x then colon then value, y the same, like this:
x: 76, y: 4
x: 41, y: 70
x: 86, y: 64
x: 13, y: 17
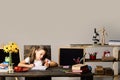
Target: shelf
x: 88, y: 48
x: 92, y: 45
x: 102, y: 75
x: 98, y: 60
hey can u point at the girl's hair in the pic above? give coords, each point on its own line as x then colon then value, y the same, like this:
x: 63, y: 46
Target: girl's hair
x: 32, y: 53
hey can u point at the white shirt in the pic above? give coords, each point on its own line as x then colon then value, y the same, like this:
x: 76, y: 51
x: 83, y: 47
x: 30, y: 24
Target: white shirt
x: 38, y: 64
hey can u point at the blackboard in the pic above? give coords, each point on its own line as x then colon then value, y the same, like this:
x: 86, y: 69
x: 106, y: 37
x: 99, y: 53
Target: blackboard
x: 67, y: 56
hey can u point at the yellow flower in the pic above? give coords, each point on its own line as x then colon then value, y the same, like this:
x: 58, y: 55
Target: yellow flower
x: 11, y: 48
x: 6, y: 49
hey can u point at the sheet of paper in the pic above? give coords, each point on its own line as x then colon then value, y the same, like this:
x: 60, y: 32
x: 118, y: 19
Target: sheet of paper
x: 39, y: 68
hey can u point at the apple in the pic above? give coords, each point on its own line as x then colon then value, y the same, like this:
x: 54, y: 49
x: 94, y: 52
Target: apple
x: 17, y: 69
x: 20, y: 69
x: 25, y: 69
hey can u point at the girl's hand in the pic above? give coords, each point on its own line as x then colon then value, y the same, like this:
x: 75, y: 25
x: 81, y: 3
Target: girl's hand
x: 47, y: 64
x: 31, y: 65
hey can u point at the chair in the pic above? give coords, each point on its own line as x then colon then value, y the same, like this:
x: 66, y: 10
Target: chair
x: 28, y: 47
x: 27, y: 50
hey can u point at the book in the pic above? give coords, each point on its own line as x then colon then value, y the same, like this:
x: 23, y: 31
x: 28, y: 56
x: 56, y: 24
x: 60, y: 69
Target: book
x: 114, y: 42
x: 4, y: 67
x: 39, y: 68
x: 3, y: 70
x: 80, y: 68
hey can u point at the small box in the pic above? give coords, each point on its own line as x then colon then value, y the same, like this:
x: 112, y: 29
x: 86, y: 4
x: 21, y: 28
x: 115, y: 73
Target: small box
x: 110, y: 58
x: 108, y: 71
x: 99, y: 70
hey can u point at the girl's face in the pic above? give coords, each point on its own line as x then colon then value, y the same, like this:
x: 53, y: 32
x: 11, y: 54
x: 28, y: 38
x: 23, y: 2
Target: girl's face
x: 40, y: 54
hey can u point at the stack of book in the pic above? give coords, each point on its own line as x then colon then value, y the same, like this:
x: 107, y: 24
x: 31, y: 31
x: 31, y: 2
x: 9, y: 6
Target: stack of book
x: 80, y: 68
x: 114, y: 42
x: 4, y: 67
x: 3, y: 70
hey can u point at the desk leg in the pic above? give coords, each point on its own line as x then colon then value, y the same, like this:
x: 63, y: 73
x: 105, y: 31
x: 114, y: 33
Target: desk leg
x: 87, y: 78
x: 2, y: 78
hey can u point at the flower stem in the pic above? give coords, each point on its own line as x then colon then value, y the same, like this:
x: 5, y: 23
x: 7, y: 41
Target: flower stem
x: 10, y: 59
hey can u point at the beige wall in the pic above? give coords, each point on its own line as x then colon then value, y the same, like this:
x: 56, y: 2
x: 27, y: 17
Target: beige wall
x: 57, y: 22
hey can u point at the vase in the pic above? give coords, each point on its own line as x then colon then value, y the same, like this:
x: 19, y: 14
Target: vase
x: 10, y: 65
x: 92, y: 57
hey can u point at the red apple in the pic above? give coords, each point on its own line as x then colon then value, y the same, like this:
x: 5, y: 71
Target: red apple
x: 17, y: 69
x: 25, y: 69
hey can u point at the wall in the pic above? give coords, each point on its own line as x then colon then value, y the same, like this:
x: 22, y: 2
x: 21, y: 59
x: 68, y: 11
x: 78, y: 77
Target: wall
x: 57, y: 23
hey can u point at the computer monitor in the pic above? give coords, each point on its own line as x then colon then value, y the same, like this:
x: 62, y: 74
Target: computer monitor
x: 15, y: 57
x: 70, y: 56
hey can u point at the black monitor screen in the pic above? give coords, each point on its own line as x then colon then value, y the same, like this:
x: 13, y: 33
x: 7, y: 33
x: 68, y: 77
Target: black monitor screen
x: 70, y: 56
x: 15, y: 57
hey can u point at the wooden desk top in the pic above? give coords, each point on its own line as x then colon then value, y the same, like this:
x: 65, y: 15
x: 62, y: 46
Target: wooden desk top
x: 53, y: 72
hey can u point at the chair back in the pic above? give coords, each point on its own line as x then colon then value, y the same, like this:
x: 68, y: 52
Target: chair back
x: 27, y: 49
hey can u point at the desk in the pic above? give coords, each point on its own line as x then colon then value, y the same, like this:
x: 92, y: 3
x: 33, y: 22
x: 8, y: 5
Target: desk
x: 50, y: 72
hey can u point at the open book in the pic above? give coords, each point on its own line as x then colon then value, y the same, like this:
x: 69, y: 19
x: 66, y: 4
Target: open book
x: 39, y: 68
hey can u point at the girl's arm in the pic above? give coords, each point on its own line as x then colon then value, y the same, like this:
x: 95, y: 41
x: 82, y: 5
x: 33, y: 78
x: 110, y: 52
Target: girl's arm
x: 50, y: 63
x: 53, y: 64
x: 23, y: 64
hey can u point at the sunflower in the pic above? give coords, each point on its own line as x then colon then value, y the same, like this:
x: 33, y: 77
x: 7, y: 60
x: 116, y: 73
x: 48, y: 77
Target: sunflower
x: 11, y: 48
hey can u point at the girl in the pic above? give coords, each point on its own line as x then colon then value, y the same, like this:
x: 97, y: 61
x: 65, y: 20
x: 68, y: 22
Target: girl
x: 37, y: 59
